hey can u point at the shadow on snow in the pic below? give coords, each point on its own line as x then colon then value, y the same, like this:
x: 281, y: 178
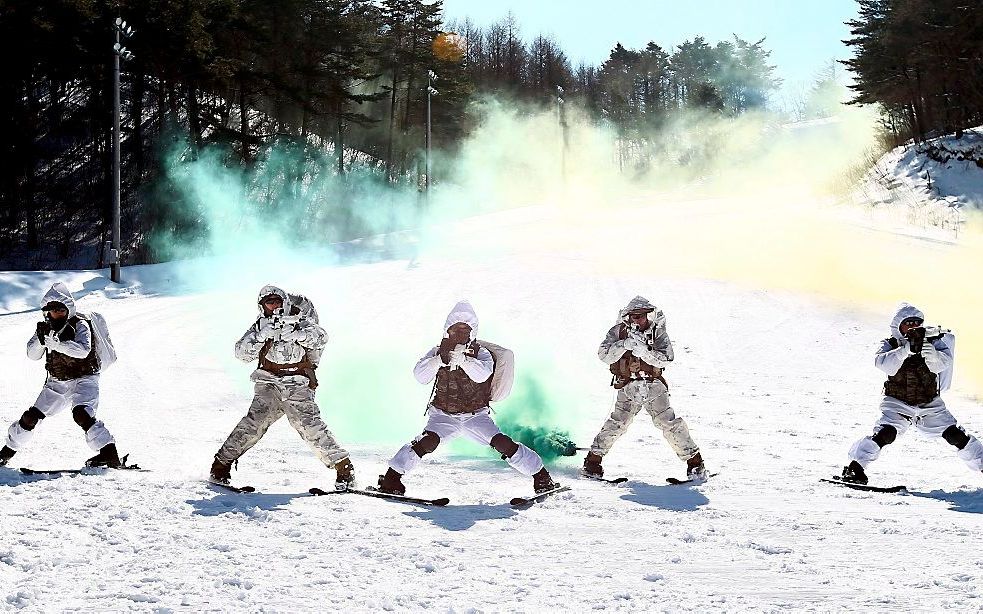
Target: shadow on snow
x: 462, y: 517
x: 969, y: 501
x: 242, y: 503
x: 674, y: 498
x: 11, y: 476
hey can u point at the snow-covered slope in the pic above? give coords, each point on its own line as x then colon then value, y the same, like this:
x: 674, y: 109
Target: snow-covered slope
x: 774, y: 386
x: 932, y: 183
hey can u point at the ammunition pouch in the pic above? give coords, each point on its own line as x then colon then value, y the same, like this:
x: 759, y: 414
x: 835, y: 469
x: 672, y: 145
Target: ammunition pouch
x: 304, y: 367
x: 629, y: 368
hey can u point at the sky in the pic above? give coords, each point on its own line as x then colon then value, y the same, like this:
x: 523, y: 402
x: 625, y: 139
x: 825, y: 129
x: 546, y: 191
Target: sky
x: 803, y: 35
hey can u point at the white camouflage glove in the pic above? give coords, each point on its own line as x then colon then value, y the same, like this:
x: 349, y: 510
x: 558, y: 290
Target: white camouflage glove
x: 294, y: 334
x: 635, y: 345
x: 52, y: 342
x: 457, y: 356
x: 651, y: 358
x: 266, y: 329
x: 931, y: 356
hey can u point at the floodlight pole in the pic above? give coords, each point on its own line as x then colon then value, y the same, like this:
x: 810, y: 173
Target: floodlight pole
x: 119, y: 28
x: 561, y: 117
x: 431, y: 77
x: 114, y: 251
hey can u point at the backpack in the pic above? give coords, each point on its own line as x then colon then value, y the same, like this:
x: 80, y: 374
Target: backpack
x: 105, y: 351
x: 945, y: 378
x: 503, y: 374
x: 302, y: 306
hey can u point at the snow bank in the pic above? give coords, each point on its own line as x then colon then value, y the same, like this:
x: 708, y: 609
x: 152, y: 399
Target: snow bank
x: 935, y: 183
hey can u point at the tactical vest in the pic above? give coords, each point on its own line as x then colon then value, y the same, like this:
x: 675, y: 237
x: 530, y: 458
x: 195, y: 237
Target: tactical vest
x: 62, y: 367
x: 305, y: 367
x: 456, y: 393
x: 914, y: 383
x: 629, y: 367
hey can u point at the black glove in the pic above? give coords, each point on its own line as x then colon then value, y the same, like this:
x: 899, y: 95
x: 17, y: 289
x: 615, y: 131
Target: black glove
x: 916, y: 339
x: 446, y: 345
x: 44, y: 329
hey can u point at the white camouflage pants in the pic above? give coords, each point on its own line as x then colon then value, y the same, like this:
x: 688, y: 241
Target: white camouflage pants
x: 271, y: 401
x: 478, y: 427
x: 654, y: 397
x: 56, y: 397
x: 930, y: 420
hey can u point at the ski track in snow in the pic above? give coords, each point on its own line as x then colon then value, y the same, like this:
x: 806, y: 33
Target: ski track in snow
x: 775, y: 388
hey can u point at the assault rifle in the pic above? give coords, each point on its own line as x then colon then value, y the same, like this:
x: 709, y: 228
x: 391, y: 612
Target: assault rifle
x: 280, y: 322
x: 917, y: 336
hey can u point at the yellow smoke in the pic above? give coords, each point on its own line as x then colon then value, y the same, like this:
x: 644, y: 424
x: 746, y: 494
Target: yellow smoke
x: 746, y: 200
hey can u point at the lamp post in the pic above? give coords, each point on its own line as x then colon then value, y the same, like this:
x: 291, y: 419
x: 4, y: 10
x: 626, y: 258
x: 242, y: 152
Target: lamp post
x: 431, y: 91
x: 562, y: 118
x: 120, y: 29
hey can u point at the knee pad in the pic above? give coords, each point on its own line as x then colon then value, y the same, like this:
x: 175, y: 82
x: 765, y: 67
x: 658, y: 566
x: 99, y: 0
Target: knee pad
x: 504, y: 445
x: 426, y: 444
x: 886, y: 435
x: 31, y: 418
x: 954, y: 435
x: 82, y: 417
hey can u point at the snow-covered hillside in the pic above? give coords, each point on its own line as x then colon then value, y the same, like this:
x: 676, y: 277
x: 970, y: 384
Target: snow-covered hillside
x: 775, y: 387
x: 933, y: 183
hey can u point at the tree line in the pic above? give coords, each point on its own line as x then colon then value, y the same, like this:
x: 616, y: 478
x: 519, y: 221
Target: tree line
x: 340, y: 78
x: 922, y: 61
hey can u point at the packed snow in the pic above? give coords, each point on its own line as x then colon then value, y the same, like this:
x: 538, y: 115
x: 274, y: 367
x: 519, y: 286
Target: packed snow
x: 775, y: 386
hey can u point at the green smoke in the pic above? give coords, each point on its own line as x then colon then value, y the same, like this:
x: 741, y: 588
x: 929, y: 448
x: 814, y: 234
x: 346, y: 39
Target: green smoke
x: 532, y: 416
x: 290, y: 199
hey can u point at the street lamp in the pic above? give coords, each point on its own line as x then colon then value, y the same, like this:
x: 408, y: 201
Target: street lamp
x: 120, y: 28
x: 431, y: 91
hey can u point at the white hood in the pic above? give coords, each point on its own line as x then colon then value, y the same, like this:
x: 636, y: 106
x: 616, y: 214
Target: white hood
x: 59, y: 292
x: 462, y: 312
x: 271, y: 289
x: 636, y: 304
x: 904, y: 312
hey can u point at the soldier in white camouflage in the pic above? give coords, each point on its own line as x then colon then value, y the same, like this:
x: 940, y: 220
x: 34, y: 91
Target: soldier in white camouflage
x: 67, y: 342
x: 462, y: 370
x: 286, y: 341
x: 637, y: 350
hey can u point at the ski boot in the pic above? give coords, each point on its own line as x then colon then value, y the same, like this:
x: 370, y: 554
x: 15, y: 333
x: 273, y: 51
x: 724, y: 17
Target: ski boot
x: 592, y: 466
x: 346, y: 474
x: 5, y: 455
x: 695, y: 469
x: 107, y: 457
x: 392, y: 483
x: 220, y: 472
x: 854, y: 473
x: 542, y: 481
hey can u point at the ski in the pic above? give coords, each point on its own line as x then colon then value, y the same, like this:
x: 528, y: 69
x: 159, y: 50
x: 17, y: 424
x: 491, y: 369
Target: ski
x: 839, y: 482
x: 677, y: 482
x: 369, y: 492
x: 609, y: 481
x: 80, y: 471
x: 230, y: 487
x: 526, y: 502
x: 29, y: 471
